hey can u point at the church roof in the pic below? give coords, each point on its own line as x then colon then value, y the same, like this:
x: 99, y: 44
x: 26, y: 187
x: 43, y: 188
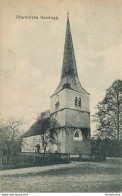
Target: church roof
x: 69, y: 75
x: 69, y: 63
x: 37, y: 127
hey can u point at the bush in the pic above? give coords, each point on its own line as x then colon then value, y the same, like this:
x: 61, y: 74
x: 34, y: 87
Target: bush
x: 106, y: 147
x: 32, y: 159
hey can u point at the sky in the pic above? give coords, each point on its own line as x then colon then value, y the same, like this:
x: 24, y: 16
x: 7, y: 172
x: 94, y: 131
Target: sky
x: 31, y: 52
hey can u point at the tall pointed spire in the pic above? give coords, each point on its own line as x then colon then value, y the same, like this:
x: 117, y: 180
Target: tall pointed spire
x: 69, y: 65
x: 69, y: 75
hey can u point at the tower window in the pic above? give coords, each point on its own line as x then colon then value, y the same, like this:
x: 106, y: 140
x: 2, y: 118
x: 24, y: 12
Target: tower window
x: 57, y: 106
x: 79, y: 102
x: 76, y: 101
x: 78, y: 135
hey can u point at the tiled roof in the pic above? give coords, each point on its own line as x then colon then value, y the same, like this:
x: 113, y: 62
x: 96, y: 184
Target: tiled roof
x: 38, y: 127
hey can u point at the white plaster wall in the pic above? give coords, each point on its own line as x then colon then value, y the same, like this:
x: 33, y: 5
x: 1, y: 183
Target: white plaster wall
x: 77, y: 119
x: 70, y: 100
x: 62, y: 101
x: 67, y: 100
x: 61, y: 138
x: 29, y: 143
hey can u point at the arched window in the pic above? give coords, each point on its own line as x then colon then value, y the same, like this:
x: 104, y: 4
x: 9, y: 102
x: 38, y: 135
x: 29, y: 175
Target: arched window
x: 76, y: 101
x: 78, y: 135
x: 79, y: 102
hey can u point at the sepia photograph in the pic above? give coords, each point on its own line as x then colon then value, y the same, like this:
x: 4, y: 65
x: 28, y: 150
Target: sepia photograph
x: 60, y: 96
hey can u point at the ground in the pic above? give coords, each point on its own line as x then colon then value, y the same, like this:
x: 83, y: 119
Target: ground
x: 73, y: 177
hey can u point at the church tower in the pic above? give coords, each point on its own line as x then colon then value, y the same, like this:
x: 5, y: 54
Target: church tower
x: 69, y: 105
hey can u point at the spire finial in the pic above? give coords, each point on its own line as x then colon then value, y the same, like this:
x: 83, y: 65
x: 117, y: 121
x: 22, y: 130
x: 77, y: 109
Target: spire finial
x: 67, y: 15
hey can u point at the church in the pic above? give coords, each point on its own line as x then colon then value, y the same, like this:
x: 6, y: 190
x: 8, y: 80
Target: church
x: 69, y: 105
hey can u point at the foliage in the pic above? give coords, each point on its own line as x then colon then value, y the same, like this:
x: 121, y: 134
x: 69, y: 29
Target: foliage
x: 106, y: 147
x: 10, y: 136
x: 109, y: 111
x: 30, y: 160
x: 48, y: 129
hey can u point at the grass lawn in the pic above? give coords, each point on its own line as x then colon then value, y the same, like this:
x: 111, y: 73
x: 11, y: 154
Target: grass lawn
x: 73, y: 177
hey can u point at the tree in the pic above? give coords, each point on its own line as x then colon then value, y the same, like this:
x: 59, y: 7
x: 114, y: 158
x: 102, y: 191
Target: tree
x: 109, y: 110
x: 48, y: 129
x: 106, y: 147
x: 9, y: 134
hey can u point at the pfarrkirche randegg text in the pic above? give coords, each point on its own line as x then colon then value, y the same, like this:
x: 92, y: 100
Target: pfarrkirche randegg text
x: 36, y: 17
